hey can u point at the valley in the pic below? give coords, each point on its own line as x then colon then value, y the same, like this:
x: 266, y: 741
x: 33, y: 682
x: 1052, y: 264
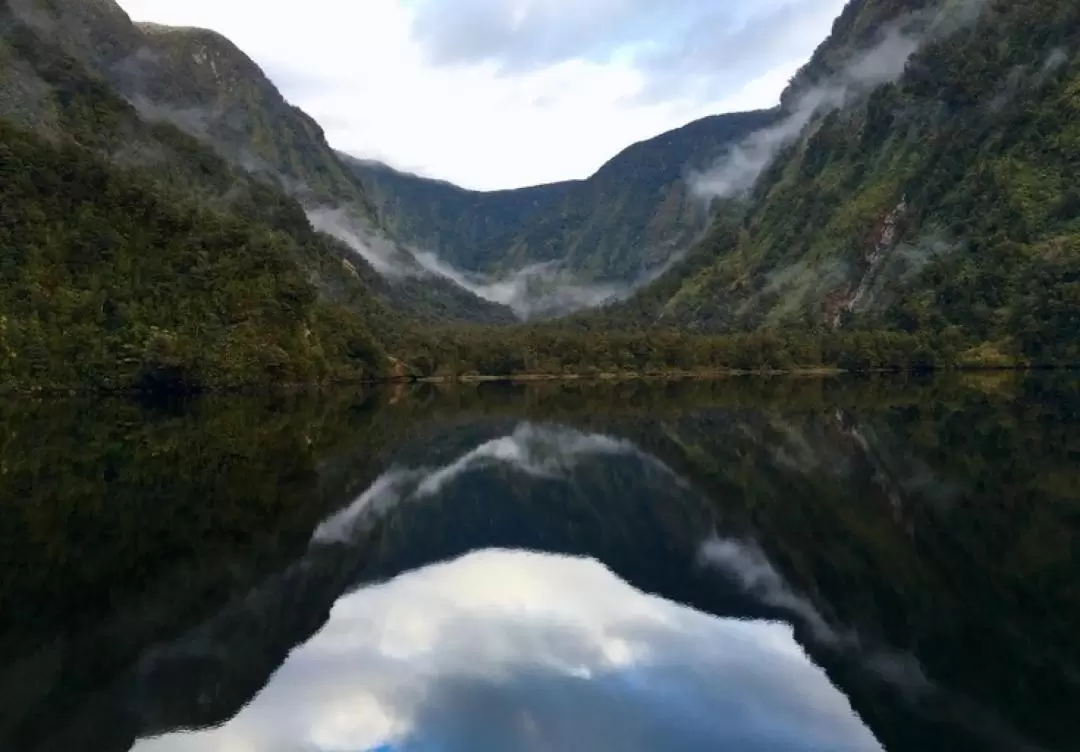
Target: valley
x: 763, y: 434
x: 907, y: 205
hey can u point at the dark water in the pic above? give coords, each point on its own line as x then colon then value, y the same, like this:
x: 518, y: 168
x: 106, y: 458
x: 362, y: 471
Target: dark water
x: 761, y: 565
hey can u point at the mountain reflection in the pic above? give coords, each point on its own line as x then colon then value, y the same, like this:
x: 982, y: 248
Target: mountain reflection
x: 863, y: 566
x: 504, y: 650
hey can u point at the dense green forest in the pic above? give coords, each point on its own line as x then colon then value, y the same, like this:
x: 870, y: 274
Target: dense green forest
x: 929, y: 223
x: 74, y: 79
x: 106, y: 282
x: 940, y: 203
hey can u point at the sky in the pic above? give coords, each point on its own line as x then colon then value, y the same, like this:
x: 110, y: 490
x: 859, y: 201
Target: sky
x: 495, y: 94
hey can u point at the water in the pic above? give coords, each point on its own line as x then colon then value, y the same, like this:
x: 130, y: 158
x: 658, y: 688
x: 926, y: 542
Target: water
x: 745, y: 565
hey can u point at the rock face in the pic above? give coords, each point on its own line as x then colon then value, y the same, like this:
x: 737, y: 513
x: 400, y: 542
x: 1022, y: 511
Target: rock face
x: 881, y: 243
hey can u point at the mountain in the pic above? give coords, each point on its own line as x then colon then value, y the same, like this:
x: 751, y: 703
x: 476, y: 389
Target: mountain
x: 153, y: 98
x: 910, y: 204
x: 136, y: 252
x: 634, y: 215
x: 201, y: 82
x: 919, y: 179
x: 109, y: 281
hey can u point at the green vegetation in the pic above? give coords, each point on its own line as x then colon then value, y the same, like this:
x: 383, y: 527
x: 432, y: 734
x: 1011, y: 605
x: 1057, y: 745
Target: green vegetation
x: 147, y: 238
x: 633, y: 214
x: 76, y: 80
x: 553, y: 350
x: 108, y: 283
x: 940, y: 205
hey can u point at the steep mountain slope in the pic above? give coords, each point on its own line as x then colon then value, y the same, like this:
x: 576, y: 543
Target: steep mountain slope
x: 200, y: 81
x: 938, y: 197
x: 157, y: 99
x: 630, y: 217
x: 109, y: 282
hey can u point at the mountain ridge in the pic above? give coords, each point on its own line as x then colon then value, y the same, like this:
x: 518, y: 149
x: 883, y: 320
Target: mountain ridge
x: 909, y: 205
x: 936, y: 201
x: 632, y: 215
x: 202, y: 84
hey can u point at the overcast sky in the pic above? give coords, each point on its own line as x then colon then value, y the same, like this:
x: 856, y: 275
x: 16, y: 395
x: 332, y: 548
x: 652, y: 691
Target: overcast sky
x: 504, y: 93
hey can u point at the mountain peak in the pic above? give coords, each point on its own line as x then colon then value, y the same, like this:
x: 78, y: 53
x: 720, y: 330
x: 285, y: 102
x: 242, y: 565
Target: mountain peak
x: 198, y: 58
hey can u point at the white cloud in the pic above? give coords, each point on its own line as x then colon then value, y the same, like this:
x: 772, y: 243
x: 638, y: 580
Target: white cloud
x: 512, y: 650
x: 360, y: 69
x: 885, y: 62
x: 535, y: 291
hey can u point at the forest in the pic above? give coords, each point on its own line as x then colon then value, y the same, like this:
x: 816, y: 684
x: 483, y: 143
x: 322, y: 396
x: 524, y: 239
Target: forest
x: 135, y: 255
x: 108, y: 282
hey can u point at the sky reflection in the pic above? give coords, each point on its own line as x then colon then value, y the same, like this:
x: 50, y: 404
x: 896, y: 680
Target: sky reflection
x: 507, y: 650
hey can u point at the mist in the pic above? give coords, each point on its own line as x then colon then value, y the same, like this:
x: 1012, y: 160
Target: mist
x: 747, y: 565
x: 736, y: 173
x: 538, y: 451
x: 535, y: 291
x: 752, y: 570
x: 382, y: 254
x: 541, y: 290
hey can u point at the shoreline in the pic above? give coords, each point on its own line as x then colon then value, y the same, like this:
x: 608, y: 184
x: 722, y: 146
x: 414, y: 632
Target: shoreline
x: 611, y: 377
x: 617, y: 376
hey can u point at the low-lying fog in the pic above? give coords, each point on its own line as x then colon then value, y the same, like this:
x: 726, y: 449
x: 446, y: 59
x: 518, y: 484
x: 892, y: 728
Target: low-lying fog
x: 535, y: 291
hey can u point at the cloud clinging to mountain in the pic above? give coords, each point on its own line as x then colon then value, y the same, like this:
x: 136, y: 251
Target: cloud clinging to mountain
x: 501, y: 93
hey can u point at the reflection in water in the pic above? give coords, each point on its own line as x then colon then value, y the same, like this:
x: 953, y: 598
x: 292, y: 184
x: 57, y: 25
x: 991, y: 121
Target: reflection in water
x: 537, y: 451
x: 748, y: 565
x: 506, y: 650
x: 852, y: 564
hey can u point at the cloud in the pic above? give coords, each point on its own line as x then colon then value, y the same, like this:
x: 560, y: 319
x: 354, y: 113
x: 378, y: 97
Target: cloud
x: 739, y: 170
x: 749, y: 566
x: 535, y: 291
x: 689, y: 36
x: 536, y: 450
x: 487, y: 106
x: 383, y: 255
x: 1057, y: 58
x: 496, y: 651
x: 744, y: 562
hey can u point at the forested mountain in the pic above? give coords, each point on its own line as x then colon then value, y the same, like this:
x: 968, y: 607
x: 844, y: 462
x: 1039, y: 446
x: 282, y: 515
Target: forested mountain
x: 189, y: 107
x: 911, y: 203
x: 135, y: 251
x: 938, y: 198
x: 632, y: 216
x: 199, y: 81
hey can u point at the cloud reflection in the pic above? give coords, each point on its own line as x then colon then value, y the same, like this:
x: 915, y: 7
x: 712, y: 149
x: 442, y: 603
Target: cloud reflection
x: 537, y: 450
x: 504, y: 650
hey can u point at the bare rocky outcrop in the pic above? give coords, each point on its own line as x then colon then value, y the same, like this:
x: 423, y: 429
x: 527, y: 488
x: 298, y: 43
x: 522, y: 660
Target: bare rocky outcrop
x: 882, y: 241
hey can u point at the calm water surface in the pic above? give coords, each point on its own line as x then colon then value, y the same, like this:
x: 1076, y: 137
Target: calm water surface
x: 748, y: 565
